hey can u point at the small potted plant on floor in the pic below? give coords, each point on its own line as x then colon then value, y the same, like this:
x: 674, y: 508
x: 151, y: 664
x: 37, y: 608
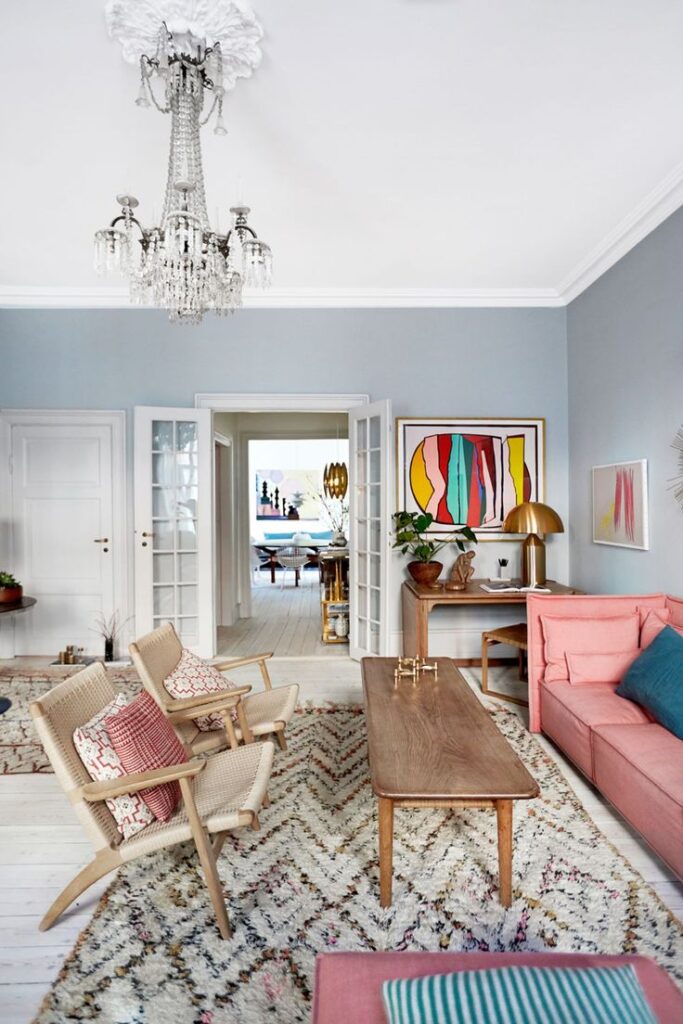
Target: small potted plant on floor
x: 411, y: 537
x: 11, y: 590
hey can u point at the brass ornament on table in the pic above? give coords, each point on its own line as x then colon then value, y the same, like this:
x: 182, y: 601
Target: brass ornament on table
x: 336, y: 480
x: 412, y: 668
x: 461, y: 573
x: 532, y: 518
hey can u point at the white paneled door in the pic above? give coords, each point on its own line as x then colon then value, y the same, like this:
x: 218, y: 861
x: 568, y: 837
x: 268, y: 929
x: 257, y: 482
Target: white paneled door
x: 173, y: 524
x: 64, y: 541
x: 370, y: 447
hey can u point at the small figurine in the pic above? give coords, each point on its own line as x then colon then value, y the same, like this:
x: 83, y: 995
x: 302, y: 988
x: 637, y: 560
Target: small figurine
x: 462, y: 571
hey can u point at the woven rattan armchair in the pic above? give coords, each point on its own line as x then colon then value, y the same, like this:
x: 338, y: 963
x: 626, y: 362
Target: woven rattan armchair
x: 259, y: 714
x: 219, y: 793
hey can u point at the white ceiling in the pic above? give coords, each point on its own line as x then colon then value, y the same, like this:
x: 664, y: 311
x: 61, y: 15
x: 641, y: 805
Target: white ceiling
x: 393, y: 151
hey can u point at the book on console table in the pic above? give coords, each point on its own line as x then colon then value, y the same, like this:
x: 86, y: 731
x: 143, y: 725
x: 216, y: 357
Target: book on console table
x: 512, y: 588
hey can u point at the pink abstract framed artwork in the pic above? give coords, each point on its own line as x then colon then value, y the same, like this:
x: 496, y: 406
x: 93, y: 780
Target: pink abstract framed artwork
x: 620, y: 505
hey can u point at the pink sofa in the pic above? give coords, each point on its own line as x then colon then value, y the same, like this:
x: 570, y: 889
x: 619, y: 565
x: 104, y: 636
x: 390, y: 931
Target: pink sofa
x: 635, y: 762
x: 348, y: 986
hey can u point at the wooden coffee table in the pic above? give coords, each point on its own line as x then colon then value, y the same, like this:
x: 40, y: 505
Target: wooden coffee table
x: 434, y: 744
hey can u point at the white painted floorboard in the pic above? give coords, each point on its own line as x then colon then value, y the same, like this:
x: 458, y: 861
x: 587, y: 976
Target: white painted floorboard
x: 41, y: 849
x: 285, y: 620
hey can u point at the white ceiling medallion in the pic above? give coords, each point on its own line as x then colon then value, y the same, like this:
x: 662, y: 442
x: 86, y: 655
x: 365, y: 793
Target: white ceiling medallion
x: 135, y: 25
x: 189, y: 53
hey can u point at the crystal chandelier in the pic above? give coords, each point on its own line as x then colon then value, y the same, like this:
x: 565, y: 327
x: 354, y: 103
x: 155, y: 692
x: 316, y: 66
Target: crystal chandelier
x: 183, y: 265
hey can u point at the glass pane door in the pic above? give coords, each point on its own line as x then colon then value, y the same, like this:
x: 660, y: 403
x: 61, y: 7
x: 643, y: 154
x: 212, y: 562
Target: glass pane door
x: 174, y: 527
x: 173, y: 507
x: 370, y: 427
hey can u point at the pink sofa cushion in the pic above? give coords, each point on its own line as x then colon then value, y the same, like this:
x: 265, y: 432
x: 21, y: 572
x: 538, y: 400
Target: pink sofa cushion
x: 563, y: 635
x: 675, y: 606
x: 654, y: 623
x: 599, y: 668
x: 348, y: 986
x: 570, y: 712
x: 589, y: 606
x: 640, y: 769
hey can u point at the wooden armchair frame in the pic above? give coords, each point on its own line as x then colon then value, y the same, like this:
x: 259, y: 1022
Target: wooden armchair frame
x: 75, y: 701
x: 259, y: 715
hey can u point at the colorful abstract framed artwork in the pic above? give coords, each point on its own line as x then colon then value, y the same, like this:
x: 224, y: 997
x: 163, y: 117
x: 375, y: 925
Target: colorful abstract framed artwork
x: 469, y: 472
x: 620, y: 505
x: 288, y: 493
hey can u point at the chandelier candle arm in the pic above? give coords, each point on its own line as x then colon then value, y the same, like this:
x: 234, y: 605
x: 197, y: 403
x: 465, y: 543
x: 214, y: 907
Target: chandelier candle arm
x: 181, y: 264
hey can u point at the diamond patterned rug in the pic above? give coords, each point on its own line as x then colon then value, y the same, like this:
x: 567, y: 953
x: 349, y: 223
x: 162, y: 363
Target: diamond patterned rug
x: 308, y: 882
x: 20, y: 749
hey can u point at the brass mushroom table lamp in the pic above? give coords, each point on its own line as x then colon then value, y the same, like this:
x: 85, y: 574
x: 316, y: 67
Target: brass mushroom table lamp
x: 532, y: 518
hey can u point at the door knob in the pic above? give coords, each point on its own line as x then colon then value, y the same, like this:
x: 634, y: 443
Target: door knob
x: 102, y: 540
x: 144, y: 543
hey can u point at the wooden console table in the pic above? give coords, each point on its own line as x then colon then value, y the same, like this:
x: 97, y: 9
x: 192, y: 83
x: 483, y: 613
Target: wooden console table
x: 418, y: 600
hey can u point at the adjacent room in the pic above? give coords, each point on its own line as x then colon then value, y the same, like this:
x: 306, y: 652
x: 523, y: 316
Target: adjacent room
x: 282, y: 552
x: 341, y: 512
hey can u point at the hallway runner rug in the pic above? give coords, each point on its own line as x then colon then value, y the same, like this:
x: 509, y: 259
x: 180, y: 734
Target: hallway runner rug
x: 308, y: 882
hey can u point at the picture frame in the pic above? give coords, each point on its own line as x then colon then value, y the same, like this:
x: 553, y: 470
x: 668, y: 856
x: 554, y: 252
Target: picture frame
x: 620, y: 506
x: 471, y: 468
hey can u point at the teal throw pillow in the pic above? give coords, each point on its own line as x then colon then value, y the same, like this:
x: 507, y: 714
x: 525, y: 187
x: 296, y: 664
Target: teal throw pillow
x: 655, y: 680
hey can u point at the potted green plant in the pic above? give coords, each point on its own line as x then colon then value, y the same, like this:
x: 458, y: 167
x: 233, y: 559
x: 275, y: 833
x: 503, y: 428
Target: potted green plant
x: 11, y: 590
x: 411, y: 537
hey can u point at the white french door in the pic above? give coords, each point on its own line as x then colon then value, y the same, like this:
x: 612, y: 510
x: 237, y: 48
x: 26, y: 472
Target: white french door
x: 370, y: 437
x: 173, y: 524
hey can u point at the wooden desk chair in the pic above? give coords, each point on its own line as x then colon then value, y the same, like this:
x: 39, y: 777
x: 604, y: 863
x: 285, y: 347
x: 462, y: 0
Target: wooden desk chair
x: 219, y: 793
x: 260, y: 714
x: 514, y: 636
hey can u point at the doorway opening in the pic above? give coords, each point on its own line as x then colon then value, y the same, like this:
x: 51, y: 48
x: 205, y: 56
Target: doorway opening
x: 281, y: 552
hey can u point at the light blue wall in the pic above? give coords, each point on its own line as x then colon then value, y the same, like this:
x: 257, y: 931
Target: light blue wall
x: 625, y: 352
x: 464, y: 362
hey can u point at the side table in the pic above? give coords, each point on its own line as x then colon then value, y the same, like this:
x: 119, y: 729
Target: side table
x: 12, y: 609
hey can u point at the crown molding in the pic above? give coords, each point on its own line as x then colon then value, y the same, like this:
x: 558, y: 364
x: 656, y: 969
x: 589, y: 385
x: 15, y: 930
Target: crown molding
x: 659, y: 204
x: 295, y: 298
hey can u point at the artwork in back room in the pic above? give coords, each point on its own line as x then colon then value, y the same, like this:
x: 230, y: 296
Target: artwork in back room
x: 288, y: 493
x: 620, y: 504
x: 469, y: 472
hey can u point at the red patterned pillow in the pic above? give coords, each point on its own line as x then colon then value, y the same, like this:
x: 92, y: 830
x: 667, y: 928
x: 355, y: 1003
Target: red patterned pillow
x: 144, y: 740
x: 192, y: 677
x: 101, y: 761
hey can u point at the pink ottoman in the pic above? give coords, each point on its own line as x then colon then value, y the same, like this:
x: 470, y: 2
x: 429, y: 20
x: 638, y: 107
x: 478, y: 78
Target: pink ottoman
x: 348, y: 985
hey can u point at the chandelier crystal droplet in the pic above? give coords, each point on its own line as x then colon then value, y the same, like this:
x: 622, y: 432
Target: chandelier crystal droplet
x: 183, y: 265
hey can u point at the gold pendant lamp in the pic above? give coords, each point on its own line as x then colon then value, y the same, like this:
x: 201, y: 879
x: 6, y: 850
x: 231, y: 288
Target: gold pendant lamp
x: 336, y: 480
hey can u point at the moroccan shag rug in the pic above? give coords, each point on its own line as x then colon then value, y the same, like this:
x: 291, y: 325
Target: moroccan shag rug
x: 20, y: 749
x: 308, y: 882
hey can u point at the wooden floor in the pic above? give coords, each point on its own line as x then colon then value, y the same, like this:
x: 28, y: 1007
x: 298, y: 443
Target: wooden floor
x: 284, y: 620
x: 41, y: 848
